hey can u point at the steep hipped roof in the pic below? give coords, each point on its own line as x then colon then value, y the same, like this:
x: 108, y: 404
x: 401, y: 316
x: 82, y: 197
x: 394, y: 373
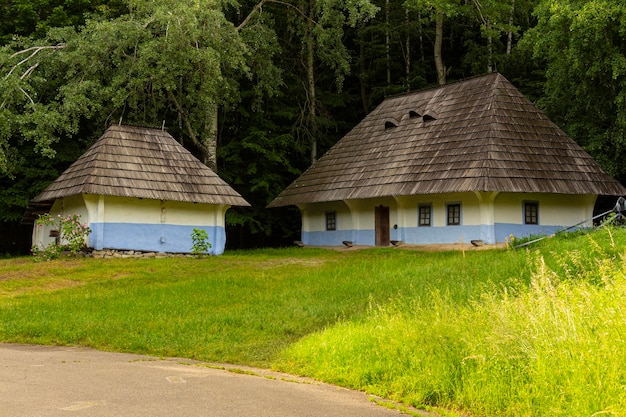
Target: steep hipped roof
x: 481, y: 134
x: 129, y: 161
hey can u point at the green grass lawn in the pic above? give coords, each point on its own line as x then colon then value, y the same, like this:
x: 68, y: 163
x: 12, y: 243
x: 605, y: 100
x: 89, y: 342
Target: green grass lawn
x: 519, y: 333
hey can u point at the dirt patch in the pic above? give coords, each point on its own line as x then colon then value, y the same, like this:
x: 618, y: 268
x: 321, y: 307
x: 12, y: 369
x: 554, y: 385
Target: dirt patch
x: 452, y: 247
x: 29, y: 269
x: 423, y: 248
x: 278, y: 262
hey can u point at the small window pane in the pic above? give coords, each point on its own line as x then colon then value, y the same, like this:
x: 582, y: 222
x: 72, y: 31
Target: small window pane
x: 331, y: 220
x: 454, y: 214
x: 424, y: 215
x: 531, y: 213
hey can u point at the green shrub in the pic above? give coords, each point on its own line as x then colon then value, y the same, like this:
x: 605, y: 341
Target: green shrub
x: 200, y: 240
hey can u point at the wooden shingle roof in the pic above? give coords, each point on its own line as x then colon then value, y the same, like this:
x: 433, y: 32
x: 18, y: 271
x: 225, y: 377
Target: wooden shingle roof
x: 481, y: 134
x: 129, y: 161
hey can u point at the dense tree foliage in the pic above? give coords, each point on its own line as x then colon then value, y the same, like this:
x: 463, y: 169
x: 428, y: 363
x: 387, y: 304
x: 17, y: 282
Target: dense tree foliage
x: 161, y: 61
x: 582, y: 46
x: 36, y: 17
x: 259, y: 88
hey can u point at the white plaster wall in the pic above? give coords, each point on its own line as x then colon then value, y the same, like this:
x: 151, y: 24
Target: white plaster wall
x: 554, y: 209
x: 190, y: 214
x: 131, y: 210
x: 403, y: 211
x: 408, y: 208
x: 509, y: 208
x: 314, y: 216
x: 75, y: 205
x: 470, y: 208
x: 145, y: 211
x: 363, y: 212
x: 566, y: 210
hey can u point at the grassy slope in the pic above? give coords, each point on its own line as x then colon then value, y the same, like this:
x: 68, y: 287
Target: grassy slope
x: 556, y: 347
x: 425, y: 328
x: 242, y: 307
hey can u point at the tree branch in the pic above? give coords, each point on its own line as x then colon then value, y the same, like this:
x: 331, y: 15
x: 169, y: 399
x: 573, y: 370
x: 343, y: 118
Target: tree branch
x: 479, y: 8
x: 36, y: 50
x: 189, y: 128
x: 29, y: 71
x: 26, y: 94
x: 259, y: 6
x: 254, y: 11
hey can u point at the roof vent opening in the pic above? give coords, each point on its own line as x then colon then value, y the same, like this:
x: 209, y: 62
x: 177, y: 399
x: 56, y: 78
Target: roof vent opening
x: 414, y: 115
x: 390, y: 125
x: 430, y: 116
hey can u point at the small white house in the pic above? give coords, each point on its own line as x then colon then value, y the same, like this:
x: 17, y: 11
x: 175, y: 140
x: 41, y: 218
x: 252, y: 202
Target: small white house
x: 473, y: 160
x: 138, y: 189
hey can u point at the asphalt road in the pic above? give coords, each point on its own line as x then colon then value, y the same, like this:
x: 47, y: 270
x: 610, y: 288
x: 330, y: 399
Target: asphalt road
x: 38, y: 381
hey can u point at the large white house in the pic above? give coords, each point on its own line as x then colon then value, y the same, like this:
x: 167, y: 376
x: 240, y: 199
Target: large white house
x: 138, y: 189
x: 472, y: 160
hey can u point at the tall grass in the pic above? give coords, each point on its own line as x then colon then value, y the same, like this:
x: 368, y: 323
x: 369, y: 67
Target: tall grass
x: 555, y: 346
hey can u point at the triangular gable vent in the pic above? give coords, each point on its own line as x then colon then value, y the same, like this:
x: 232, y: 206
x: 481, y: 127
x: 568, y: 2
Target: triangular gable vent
x: 430, y: 116
x: 390, y: 124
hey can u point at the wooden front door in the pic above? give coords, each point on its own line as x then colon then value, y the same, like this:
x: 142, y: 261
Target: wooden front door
x: 381, y: 225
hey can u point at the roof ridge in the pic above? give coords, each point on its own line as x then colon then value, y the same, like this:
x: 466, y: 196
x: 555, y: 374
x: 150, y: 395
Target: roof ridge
x: 138, y: 125
x: 486, y: 162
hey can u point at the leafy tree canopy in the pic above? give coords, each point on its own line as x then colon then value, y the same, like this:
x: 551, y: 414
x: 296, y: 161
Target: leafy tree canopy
x: 163, y: 61
x: 582, y: 44
x: 36, y: 17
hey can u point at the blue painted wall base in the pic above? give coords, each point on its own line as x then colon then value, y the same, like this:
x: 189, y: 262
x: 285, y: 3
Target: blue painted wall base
x: 153, y: 237
x: 431, y: 235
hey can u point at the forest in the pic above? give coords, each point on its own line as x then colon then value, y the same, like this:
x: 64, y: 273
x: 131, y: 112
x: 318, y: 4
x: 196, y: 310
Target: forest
x: 258, y: 89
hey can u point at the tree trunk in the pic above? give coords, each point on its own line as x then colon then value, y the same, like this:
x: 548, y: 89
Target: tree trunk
x: 407, y: 61
x: 441, y: 69
x: 362, y: 76
x: 387, y: 43
x: 509, y: 41
x: 210, y: 142
x: 310, y: 73
x: 489, y: 49
x: 421, y: 35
